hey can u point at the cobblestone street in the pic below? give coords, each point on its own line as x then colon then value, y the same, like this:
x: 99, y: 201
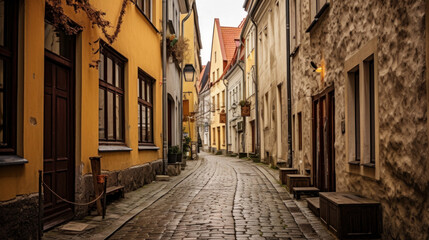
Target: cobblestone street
x: 225, y: 198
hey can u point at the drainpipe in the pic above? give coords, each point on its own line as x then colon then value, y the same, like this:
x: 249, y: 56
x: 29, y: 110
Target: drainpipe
x: 181, y: 83
x: 289, y: 89
x: 255, y: 80
x: 164, y: 87
x: 244, y: 92
x: 226, y: 110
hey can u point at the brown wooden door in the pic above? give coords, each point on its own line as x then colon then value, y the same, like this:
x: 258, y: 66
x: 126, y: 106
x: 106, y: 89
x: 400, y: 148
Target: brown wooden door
x: 170, y: 122
x: 58, y: 151
x: 323, y: 141
x: 218, y: 138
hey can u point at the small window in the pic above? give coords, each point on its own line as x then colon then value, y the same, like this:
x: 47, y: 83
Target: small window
x: 145, y: 108
x: 215, y: 58
x: 145, y: 7
x: 8, y: 80
x: 111, y: 96
x: 217, y: 71
x: 223, y: 98
x: 370, y: 66
x: 218, y: 102
x: 299, y: 131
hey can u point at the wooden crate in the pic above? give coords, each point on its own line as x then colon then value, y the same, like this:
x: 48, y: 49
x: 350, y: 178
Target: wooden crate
x: 283, y: 172
x: 297, y: 180
x: 349, y: 216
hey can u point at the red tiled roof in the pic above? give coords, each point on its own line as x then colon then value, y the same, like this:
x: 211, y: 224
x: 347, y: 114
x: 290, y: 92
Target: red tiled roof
x: 229, y: 35
x: 201, y: 78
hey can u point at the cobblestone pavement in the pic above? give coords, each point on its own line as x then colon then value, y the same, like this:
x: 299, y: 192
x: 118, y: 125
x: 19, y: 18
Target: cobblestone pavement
x: 225, y: 198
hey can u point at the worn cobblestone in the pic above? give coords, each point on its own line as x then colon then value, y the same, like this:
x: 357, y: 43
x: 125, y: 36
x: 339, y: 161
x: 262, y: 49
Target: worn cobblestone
x: 226, y: 198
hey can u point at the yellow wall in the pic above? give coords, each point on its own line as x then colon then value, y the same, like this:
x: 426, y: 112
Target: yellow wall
x: 216, y: 89
x: 137, y: 41
x: 192, y: 57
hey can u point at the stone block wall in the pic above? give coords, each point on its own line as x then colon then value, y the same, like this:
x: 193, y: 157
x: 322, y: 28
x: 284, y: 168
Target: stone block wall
x: 131, y: 178
x: 19, y: 217
x: 343, y: 30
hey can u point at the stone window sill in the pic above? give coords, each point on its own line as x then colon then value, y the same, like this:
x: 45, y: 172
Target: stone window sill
x: 11, y: 160
x: 356, y: 163
x: 317, y: 17
x: 112, y: 148
x: 148, y: 148
x: 295, y: 51
x: 369, y: 165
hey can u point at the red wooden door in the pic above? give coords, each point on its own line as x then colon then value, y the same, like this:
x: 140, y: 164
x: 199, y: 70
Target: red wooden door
x: 323, y: 141
x: 58, y: 151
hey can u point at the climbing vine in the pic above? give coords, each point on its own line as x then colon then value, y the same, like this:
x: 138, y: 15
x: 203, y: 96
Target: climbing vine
x: 55, y: 11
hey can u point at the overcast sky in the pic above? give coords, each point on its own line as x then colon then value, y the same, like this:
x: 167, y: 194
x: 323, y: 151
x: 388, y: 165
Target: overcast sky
x: 229, y: 12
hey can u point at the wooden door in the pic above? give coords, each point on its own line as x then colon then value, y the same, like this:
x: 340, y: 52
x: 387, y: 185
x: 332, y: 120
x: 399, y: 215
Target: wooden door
x: 324, y: 140
x: 218, y: 138
x: 58, y: 150
x: 170, y: 123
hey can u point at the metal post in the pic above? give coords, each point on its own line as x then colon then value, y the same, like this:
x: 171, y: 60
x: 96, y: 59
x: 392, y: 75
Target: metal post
x: 104, y: 196
x: 40, y: 220
x: 164, y: 87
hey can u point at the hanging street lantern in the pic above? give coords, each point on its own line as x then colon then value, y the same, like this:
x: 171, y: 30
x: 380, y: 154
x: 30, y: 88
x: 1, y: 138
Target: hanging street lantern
x: 189, y: 72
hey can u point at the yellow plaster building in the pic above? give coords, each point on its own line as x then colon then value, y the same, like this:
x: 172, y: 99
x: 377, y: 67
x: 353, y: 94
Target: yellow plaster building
x: 190, y: 95
x: 57, y: 111
x: 222, y: 51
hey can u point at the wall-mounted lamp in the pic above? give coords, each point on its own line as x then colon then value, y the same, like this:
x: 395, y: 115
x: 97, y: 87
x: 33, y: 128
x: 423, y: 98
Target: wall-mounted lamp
x: 316, y: 68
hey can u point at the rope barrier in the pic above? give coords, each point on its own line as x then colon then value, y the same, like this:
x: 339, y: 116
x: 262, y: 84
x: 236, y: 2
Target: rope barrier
x: 74, y: 203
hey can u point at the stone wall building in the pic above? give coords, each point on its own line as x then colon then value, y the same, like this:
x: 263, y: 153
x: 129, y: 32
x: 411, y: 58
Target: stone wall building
x: 204, y: 108
x: 360, y: 120
x: 269, y: 17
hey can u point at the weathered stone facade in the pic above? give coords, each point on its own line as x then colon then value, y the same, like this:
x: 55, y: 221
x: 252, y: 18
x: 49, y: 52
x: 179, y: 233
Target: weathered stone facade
x: 398, y: 30
x: 271, y: 63
x: 22, y: 227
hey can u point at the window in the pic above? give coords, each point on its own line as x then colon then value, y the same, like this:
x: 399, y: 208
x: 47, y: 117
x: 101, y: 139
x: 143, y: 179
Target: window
x: 145, y: 7
x: 218, y: 103
x: 215, y: 55
x: 316, y: 6
x: 8, y: 78
x: 362, y: 111
x: 145, y: 108
x: 370, y: 66
x: 223, y: 98
x: 295, y: 22
x: 217, y: 70
x: 214, y: 104
x: 111, y: 96
x: 214, y: 78
x: 300, y: 131
x: 214, y: 136
x: 266, y: 110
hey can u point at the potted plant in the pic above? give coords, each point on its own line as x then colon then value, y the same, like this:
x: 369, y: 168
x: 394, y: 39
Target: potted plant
x: 245, y: 108
x: 172, y: 154
x: 187, y: 146
x: 179, y: 156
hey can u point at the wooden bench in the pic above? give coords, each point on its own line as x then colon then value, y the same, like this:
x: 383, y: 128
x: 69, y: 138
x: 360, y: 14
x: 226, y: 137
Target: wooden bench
x: 115, y: 189
x: 350, y: 216
x: 297, y: 180
x: 314, y: 205
x: 298, y: 191
x: 283, y: 172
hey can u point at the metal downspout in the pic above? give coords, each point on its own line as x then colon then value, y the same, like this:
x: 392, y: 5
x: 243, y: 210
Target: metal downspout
x: 181, y: 83
x: 164, y: 87
x: 289, y: 88
x: 258, y: 147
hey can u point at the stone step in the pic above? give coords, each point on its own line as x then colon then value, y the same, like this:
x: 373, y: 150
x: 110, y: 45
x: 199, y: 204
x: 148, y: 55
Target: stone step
x: 314, y: 205
x: 298, y: 191
x: 283, y: 172
x: 160, y: 178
